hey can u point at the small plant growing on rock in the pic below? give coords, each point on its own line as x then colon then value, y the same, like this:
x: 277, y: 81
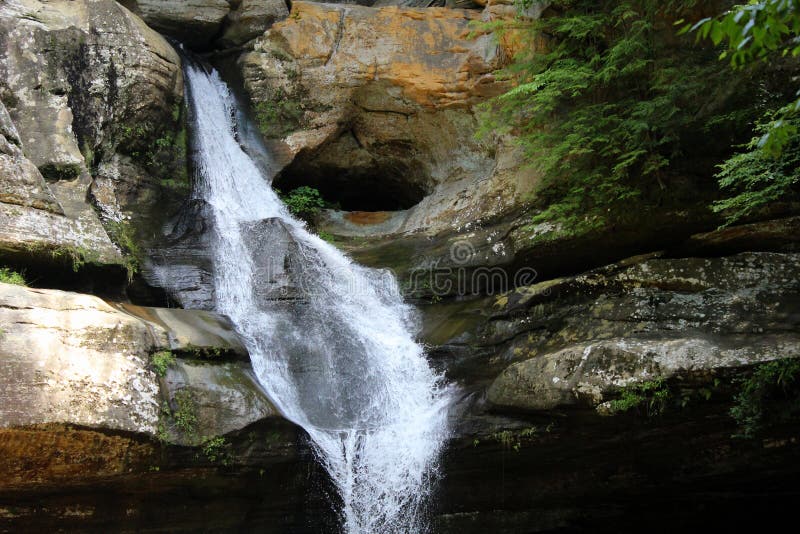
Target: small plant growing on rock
x: 8, y: 276
x: 184, y: 416
x: 304, y: 202
x: 652, y: 395
x: 217, y: 450
x: 770, y: 396
x: 161, y: 362
x: 123, y: 235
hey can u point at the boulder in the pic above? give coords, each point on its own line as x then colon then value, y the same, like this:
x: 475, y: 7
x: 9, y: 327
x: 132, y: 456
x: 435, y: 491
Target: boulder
x: 248, y: 19
x: 222, y: 398
x: 22, y: 183
x: 181, y: 261
x: 70, y: 358
x: 277, y: 260
x: 75, y: 359
x: 94, y: 96
x: 191, y: 331
x: 194, y: 22
x: 201, y: 24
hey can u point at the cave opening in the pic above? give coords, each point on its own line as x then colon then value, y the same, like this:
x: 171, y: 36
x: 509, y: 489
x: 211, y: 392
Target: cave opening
x: 381, y: 186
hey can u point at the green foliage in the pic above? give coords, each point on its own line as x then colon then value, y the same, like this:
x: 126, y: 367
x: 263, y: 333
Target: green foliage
x: 217, y: 450
x: 206, y: 353
x: 185, y: 416
x: 651, y: 395
x: 304, y: 202
x: 9, y: 276
x: 513, y: 440
x: 160, y: 147
x: 161, y: 362
x: 770, y: 396
x: 507, y: 440
x: 757, y: 178
x: 604, y: 111
x: 767, y: 170
x: 757, y: 31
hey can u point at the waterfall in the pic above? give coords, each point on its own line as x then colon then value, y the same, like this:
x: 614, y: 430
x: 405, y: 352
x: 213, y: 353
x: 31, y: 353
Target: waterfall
x: 331, y: 342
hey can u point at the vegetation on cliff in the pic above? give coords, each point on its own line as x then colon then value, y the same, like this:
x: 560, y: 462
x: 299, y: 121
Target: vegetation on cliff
x: 622, y: 107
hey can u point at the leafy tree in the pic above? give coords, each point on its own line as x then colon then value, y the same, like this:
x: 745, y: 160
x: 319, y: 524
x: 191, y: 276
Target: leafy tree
x: 9, y: 276
x: 758, y: 178
x: 604, y: 112
x: 757, y: 31
x: 769, y: 397
x: 769, y: 167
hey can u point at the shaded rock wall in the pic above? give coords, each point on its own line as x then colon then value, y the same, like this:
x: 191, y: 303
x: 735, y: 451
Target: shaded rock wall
x: 94, y: 96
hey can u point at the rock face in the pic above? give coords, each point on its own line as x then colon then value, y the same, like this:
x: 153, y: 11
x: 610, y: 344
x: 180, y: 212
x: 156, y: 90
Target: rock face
x: 198, y: 23
x: 90, y: 435
x: 277, y: 259
x: 181, y: 262
x: 367, y: 114
x: 194, y: 21
x: 576, y: 341
x: 540, y: 365
x: 89, y: 90
x: 249, y: 18
x: 75, y: 359
x: 375, y: 120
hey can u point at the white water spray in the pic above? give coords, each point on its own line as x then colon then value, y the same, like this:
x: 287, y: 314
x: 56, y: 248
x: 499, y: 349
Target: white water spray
x: 337, y: 356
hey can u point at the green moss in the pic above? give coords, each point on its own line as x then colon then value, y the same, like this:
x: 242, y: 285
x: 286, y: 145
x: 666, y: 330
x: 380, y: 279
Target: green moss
x: 328, y: 237
x: 8, y: 276
x: 74, y: 256
x: 185, y: 414
x: 514, y: 439
x: 161, y: 148
x: 279, y: 115
x: 123, y: 234
x: 206, y: 353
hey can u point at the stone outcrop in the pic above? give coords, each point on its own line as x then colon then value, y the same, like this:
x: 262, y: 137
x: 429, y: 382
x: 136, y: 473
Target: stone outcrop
x: 199, y: 23
x: 375, y: 120
x: 577, y: 341
x: 89, y: 90
x: 248, y: 19
x: 365, y: 112
x: 75, y: 359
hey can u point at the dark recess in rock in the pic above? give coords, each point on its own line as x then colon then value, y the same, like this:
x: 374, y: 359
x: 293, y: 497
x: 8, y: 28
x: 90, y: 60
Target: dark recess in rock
x: 384, y: 185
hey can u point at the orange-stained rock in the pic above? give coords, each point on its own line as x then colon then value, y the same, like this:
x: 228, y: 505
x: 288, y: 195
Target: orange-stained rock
x: 429, y: 53
x: 385, y: 98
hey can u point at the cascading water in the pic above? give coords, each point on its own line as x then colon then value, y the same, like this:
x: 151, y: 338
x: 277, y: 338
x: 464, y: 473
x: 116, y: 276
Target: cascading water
x: 330, y: 341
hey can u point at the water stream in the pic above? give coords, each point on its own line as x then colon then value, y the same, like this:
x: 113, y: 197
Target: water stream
x: 331, y: 342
